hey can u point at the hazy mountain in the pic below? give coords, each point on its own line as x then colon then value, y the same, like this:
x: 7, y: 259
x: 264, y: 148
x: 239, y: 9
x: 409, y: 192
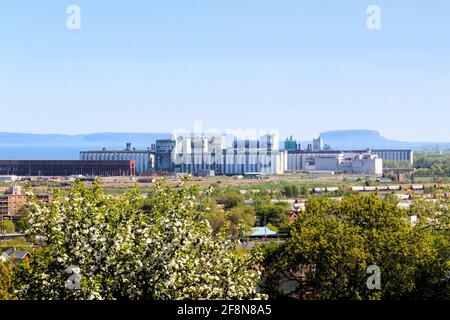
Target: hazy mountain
x: 25, y: 146
x: 95, y: 139
x: 361, y: 139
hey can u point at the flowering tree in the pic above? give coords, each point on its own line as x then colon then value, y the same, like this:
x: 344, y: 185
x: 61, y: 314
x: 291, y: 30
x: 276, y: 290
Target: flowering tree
x: 96, y: 246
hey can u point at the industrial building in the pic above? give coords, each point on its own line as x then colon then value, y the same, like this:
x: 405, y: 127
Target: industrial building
x: 367, y: 163
x: 319, y: 149
x: 162, y: 150
x: 156, y: 159
x: 364, y: 162
x: 61, y: 168
x: 192, y: 154
x: 395, y: 154
x: 291, y: 144
x: 144, y: 158
x: 304, y: 160
x: 317, y: 144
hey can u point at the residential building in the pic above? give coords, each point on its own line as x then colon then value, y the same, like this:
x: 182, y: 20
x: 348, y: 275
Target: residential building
x: 13, y: 200
x: 15, y: 255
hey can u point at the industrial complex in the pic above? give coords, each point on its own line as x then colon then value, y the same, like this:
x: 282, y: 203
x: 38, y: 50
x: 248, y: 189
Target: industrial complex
x: 202, y: 155
x: 212, y: 155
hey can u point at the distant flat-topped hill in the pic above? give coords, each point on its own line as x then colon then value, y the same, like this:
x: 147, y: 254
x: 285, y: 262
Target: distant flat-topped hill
x: 360, y: 139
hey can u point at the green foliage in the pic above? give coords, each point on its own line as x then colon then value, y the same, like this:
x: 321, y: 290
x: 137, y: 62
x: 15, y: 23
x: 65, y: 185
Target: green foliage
x: 241, y: 216
x: 167, y: 251
x: 6, y: 281
x: 291, y: 191
x: 230, y: 199
x: 390, y: 175
x: 333, y: 243
x: 390, y: 197
x: 294, y: 191
x: 397, y: 164
x: 22, y: 224
x: 233, y: 217
x: 271, y: 212
x: 234, y: 223
x: 432, y: 191
x: 218, y: 220
x: 7, y: 226
x: 19, y: 244
x: 432, y: 164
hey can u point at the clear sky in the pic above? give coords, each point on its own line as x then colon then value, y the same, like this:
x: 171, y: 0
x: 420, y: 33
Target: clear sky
x: 302, y: 67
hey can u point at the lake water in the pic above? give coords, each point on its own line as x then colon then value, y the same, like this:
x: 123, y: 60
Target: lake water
x: 41, y: 152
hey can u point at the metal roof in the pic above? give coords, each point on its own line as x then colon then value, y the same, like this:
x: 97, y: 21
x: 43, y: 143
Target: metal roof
x: 17, y: 254
x: 262, y: 232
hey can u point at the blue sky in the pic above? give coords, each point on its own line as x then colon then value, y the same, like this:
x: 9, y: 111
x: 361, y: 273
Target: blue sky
x: 302, y: 67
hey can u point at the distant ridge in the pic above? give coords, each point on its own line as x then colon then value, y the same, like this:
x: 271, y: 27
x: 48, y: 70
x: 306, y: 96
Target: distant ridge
x: 361, y: 139
x: 105, y: 139
x: 28, y: 146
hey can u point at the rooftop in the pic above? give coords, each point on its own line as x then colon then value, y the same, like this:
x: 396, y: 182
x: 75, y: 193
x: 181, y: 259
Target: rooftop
x: 262, y: 232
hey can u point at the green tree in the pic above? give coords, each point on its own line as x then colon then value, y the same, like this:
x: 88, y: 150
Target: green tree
x: 333, y: 243
x: 241, y: 216
x: 217, y: 220
x: 22, y: 223
x: 7, y: 226
x: 287, y: 191
x: 291, y: 191
x: 238, y: 218
x: 391, y: 176
x: 433, y: 282
x: 432, y: 164
x: 267, y: 211
x: 6, y: 280
x: 230, y: 199
x: 303, y: 191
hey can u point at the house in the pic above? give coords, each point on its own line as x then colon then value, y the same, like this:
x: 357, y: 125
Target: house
x: 16, y: 255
